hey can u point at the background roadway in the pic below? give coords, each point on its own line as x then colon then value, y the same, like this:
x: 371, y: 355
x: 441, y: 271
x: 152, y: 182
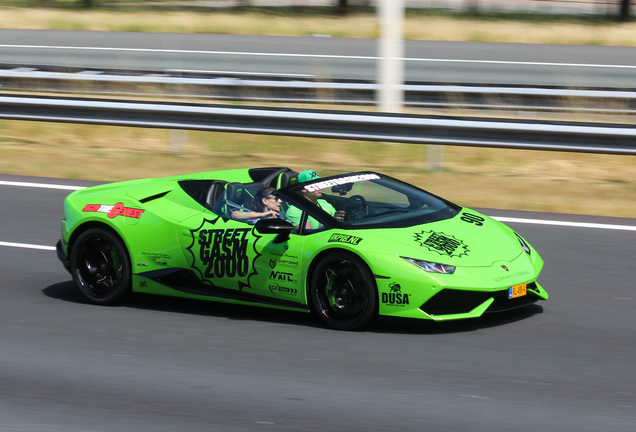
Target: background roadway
x: 163, y: 364
x: 323, y: 58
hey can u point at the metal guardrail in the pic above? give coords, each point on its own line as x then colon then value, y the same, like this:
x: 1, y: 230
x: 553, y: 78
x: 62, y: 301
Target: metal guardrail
x: 270, y: 89
x: 414, y: 129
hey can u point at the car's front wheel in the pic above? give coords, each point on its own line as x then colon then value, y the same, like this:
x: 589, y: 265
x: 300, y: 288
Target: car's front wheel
x: 342, y: 292
x: 100, y: 266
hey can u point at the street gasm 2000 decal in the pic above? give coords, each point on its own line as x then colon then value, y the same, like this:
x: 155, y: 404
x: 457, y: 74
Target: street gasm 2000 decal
x: 219, y: 251
x: 443, y: 244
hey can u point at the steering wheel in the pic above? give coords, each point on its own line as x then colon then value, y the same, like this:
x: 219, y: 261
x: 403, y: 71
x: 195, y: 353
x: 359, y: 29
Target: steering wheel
x: 360, y: 211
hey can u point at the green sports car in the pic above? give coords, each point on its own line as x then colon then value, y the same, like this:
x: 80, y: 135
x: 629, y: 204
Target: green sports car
x: 347, y: 247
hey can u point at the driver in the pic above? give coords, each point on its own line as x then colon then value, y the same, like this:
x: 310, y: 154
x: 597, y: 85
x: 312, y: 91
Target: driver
x: 294, y: 213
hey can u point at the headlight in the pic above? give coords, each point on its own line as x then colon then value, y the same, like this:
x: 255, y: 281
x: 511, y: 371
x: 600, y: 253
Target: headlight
x: 431, y: 267
x: 524, y: 245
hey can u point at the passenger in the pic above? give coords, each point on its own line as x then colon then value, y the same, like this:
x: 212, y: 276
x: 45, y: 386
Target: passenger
x: 264, y: 205
x: 294, y: 213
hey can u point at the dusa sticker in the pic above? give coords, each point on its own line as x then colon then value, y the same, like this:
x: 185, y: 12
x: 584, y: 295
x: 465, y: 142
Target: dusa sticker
x: 395, y: 297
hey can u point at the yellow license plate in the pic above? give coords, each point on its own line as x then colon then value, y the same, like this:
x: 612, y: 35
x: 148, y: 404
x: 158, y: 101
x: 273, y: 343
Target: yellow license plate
x: 517, y: 291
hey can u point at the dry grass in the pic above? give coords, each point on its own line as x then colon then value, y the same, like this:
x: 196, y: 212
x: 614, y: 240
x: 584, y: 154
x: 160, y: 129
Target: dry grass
x: 514, y: 179
x: 522, y: 32
x: 357, y: 26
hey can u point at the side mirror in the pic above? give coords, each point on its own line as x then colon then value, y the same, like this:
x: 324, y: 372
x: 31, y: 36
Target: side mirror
x: 275, y: 226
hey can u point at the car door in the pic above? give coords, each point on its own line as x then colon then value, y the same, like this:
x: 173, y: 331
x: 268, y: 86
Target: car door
x: 232, y: 259
x: 278, y: 267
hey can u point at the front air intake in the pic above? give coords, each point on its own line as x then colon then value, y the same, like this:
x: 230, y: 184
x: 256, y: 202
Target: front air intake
x: 450, y: 301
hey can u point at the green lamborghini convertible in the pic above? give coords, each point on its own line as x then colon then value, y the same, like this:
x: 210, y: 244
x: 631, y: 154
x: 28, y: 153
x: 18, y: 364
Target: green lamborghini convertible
x: 346, y: 247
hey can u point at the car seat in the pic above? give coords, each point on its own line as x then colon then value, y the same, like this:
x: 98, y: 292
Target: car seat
x: 214, y: 193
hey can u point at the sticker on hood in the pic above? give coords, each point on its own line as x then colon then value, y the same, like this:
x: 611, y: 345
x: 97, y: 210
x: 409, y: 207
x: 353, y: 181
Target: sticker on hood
x: 443, y: 244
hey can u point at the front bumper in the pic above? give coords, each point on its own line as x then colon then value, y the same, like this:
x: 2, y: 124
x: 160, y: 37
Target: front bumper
x: 61, y: 255
x: 460, y: 302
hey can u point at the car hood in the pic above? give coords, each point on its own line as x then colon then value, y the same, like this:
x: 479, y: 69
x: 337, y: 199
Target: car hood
x: 461, y: 241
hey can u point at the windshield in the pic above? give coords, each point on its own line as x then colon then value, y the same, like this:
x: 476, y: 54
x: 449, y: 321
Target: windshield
x: 371, y: 200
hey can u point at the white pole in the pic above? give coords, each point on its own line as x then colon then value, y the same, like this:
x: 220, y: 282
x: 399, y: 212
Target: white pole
x: 391, y: 54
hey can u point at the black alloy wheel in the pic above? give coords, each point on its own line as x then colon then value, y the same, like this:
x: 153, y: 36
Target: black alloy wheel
x: 100, y: 266
x: 342, y: 292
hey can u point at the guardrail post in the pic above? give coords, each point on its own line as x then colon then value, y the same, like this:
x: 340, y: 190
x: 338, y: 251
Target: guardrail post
x: 178, y: 141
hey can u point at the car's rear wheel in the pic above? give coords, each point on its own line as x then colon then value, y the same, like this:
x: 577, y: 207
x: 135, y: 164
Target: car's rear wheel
x: 100, y: 266
x: 342, y: 292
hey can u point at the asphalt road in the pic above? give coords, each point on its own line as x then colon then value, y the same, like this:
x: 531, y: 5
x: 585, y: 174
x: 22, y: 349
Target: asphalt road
x: 324, y: 58
x: 162, y: 364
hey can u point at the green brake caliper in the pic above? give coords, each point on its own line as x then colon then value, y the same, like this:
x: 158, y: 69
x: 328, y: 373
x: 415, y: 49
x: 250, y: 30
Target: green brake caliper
x: 330, y: 289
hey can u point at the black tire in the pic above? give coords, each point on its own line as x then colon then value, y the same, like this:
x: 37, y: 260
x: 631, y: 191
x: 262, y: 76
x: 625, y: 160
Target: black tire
x: 100, y: 266
x: 342, y: 292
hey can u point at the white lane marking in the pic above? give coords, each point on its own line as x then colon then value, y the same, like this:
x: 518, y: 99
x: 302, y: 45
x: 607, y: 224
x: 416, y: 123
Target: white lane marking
x: 523, y: 63
x: 219, y: 72
x: 246, y: 53
x: 566, y: 224
x: 40, y: 185
x: 27, y: 246
x: 474, y: 396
